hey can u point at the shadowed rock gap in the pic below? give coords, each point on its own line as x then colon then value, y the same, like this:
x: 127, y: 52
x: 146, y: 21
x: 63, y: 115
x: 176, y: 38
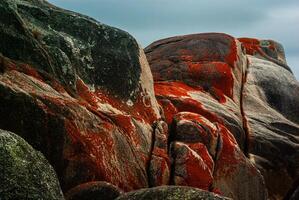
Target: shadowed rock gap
x: 172, y: 166
x: 171, y: 139
x: 148, y: 165
x: 245, y: 124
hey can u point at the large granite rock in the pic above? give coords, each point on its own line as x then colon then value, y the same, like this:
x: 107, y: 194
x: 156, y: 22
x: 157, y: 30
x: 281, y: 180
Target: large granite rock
x: 24, y: 172
x: 219, y: 111
x: 202, y: 73
x: 199, y: 83
x: 79, y: 91
x: 243, y: 86
x: 271, y: 109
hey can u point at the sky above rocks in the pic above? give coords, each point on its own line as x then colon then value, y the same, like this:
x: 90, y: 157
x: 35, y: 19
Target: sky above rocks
x: 150, y: 20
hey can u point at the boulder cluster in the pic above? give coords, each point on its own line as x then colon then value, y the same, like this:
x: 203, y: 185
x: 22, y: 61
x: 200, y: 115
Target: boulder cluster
x: 86, y: 113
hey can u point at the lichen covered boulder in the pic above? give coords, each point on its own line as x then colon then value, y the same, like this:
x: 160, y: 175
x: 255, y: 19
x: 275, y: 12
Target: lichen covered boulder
x: 81, y: 92
x: 24, y: 172
x: 198, y: 81
x: 219, y: 114
x: 238, y: 98
x: 201, y: 73
x: 271, y: 108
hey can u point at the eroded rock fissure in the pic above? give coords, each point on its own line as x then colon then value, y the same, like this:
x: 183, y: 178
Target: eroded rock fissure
x: 244, y: 119
x: 218, y: 146
x: 150, y: 157
x: 170, y: 152
x: 172, y: 156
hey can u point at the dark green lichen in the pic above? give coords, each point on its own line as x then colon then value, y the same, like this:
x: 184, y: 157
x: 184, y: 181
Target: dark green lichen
x: 66, y: 44
x: 24, y: 172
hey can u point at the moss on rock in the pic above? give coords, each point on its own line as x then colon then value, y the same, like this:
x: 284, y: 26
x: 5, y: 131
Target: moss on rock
x: 66, y: 45
x: 24, y: 172
x: 171, y: 193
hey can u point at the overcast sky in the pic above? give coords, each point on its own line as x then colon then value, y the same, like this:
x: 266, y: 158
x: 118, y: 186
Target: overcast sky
x: 150, y: 20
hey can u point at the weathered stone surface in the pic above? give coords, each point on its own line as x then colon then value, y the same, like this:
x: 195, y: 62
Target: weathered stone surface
x: 194, y: 143
x: 79, y: 91
x: 66, y: 44
x: 24, y: 172
x: 82, y: 93
x: 201, y: 73
x: 208, y: 157
x: 265, y: 49
x: 193, y: 128
x: 234, y: 175
x: 159, y: 166
x: 199, y: 83
x: 271, y: 107
x: 192, y: 166
x: 93, y: 190
x: 170, y: 193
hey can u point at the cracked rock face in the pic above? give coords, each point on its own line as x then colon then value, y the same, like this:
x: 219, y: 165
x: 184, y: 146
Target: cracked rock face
x: 232, y: 105
x: 272, y: 112
x: 201, y: 73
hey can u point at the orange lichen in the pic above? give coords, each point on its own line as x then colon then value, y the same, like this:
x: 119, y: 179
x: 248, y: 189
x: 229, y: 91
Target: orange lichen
x: 217, y: 191
x: 251, y: 45
x: 191, y: 105
x: 198, y: 174
x: 169, y: 110
x: 57, y: 86
x: 173, y: 88
x: 232, y: 56
x: 215, y: 77
x: 140, y: 109
x: 160, y: 171
x: 202, y: 151
x: 85, y: 93
x: 7, y: 64
x: 206, y: 129
x: 186, y: 58
x: 96, y: 152
x: 228, y: 157
x: 124, y: 122
x: 30, y: 71
x: 177, y: 93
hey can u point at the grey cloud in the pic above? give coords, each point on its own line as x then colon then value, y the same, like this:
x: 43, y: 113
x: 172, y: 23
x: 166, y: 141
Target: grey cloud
x: 155, y: 14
